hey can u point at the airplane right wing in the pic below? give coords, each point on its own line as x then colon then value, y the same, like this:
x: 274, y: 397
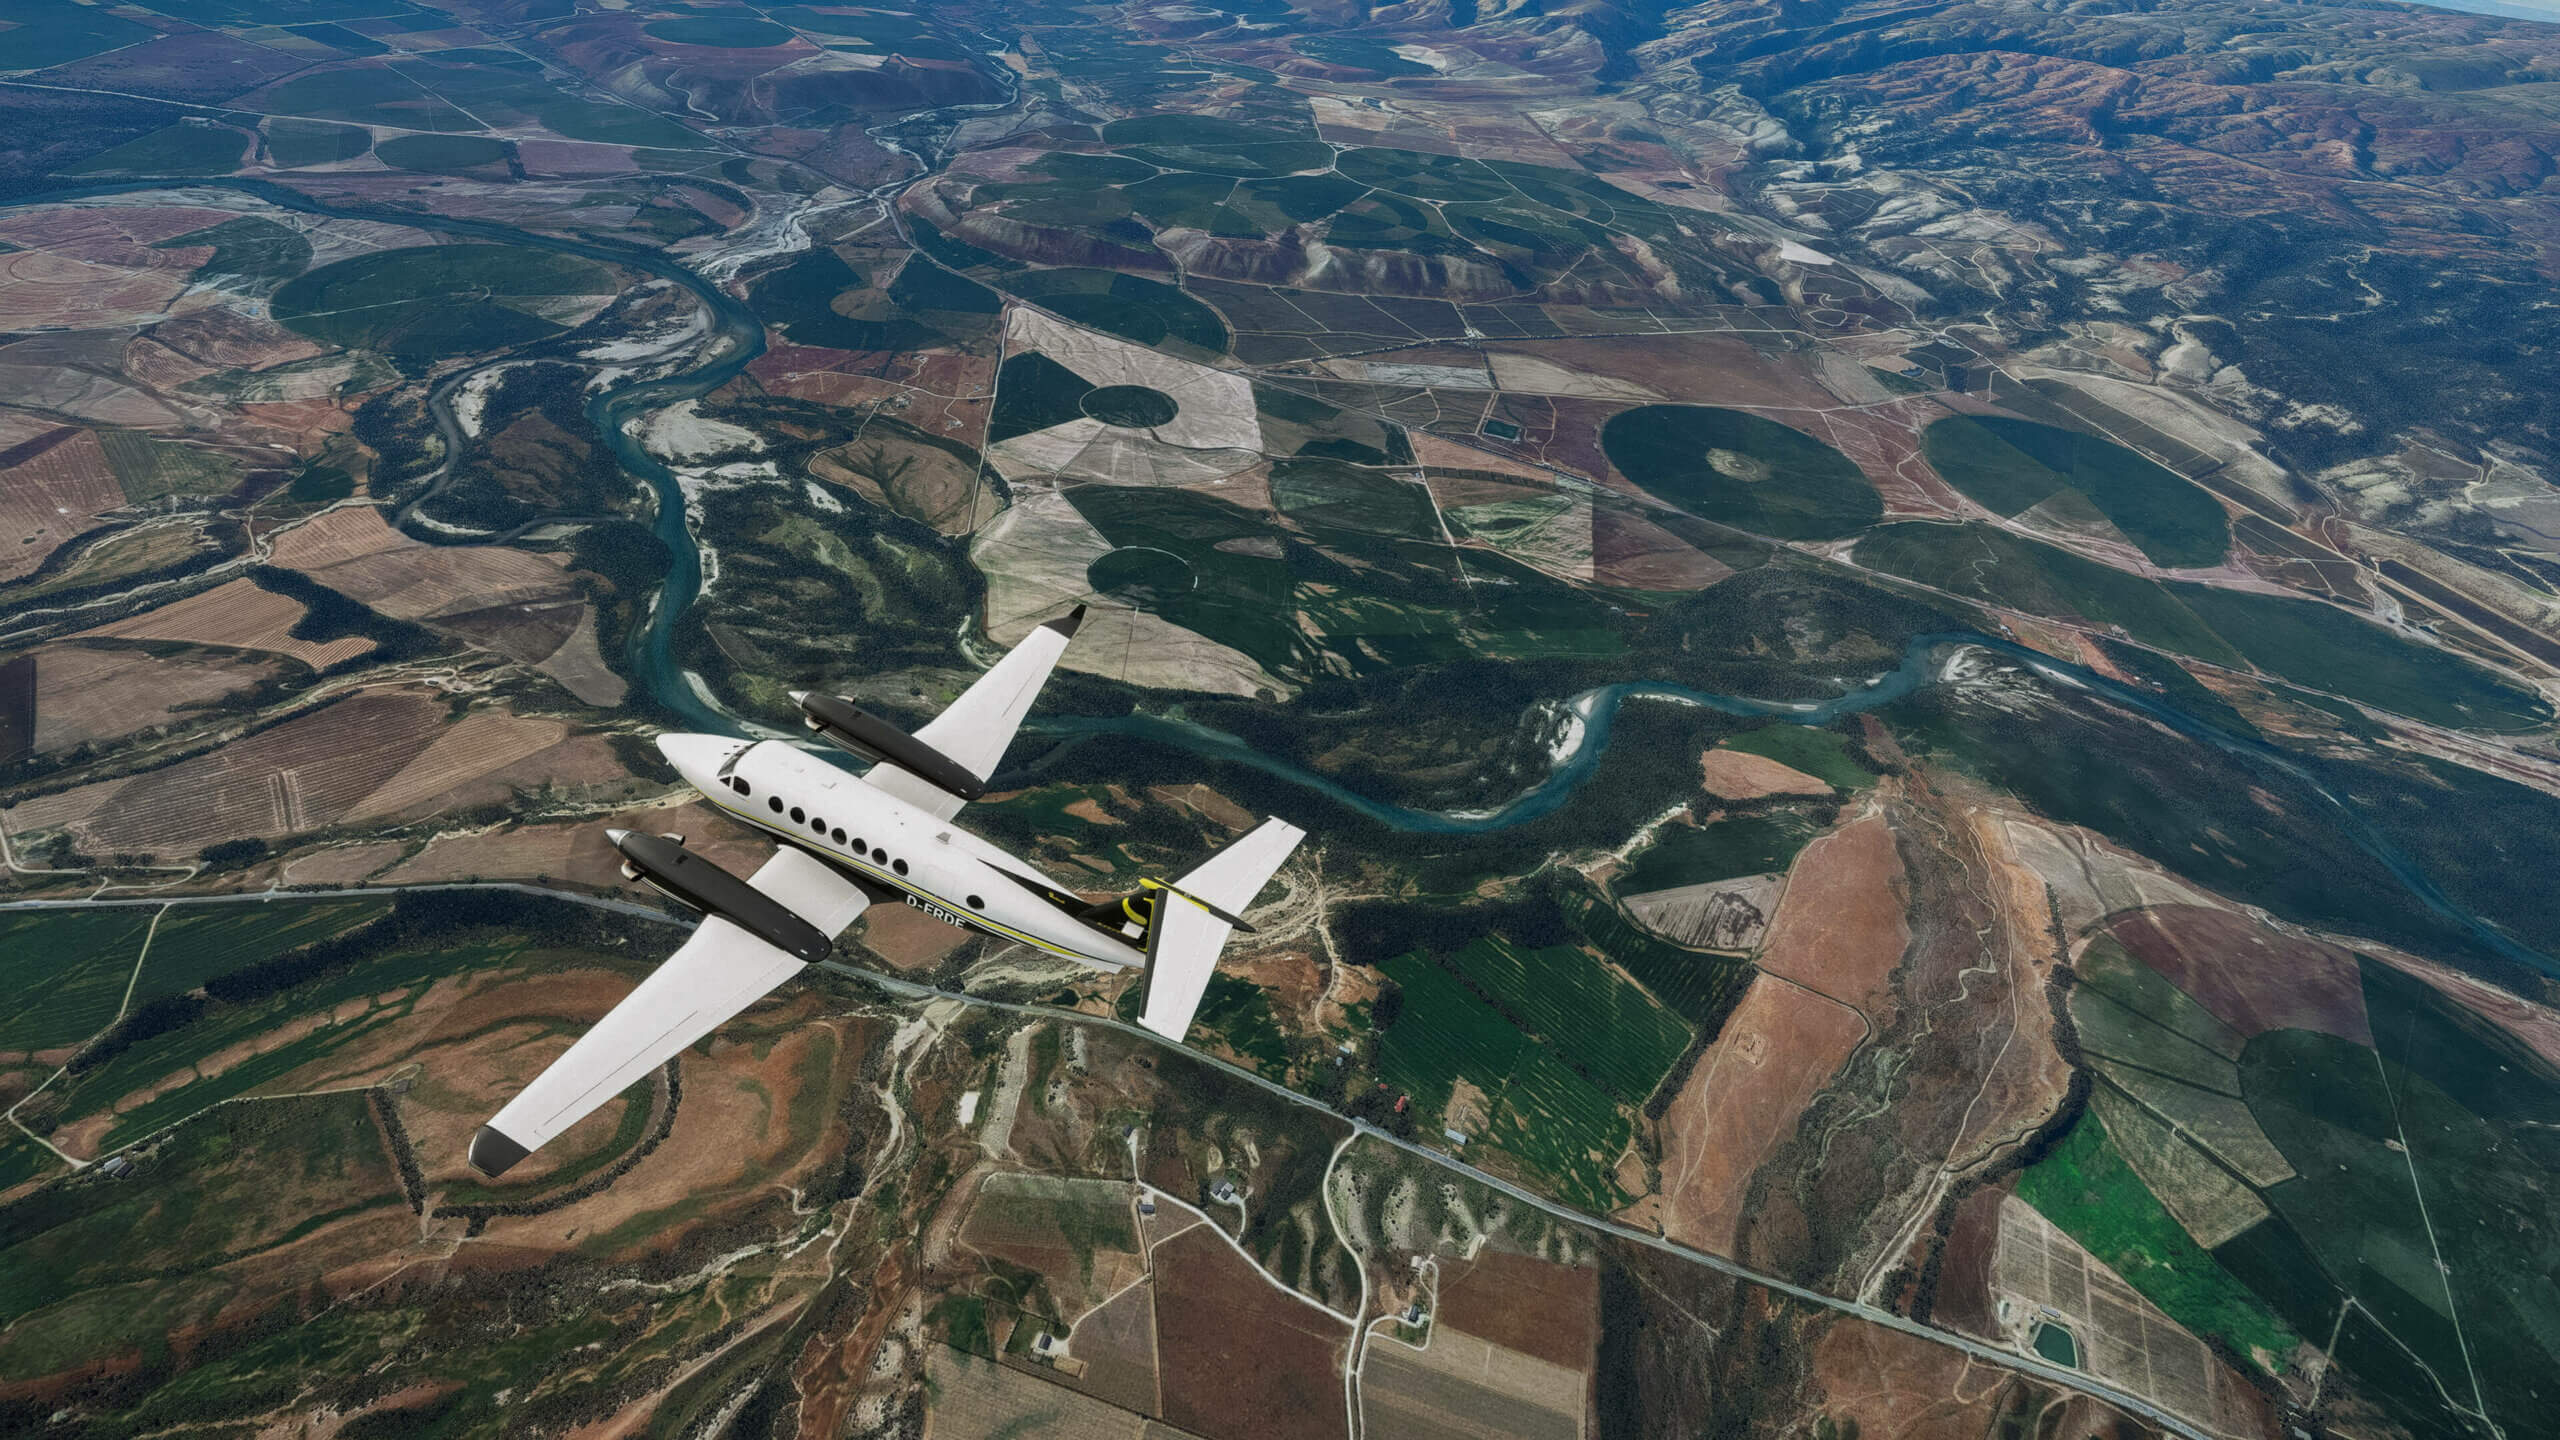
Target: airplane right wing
x: 978, y: 727
x: 718, y: 971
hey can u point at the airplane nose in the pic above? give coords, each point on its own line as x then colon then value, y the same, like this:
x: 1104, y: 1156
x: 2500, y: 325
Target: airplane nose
x: 698, y: 757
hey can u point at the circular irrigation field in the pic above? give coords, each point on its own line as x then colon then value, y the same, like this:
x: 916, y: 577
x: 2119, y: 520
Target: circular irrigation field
x: 1132, y: 407
x: 1740, y: 470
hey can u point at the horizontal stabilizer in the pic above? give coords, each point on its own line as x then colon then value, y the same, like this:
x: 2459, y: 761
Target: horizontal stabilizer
x: 1193, y: 921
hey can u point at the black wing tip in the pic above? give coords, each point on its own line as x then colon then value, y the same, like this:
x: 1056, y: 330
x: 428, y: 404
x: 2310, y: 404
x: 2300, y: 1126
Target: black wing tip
x: 1068, y: 623
x: 493, y: 1154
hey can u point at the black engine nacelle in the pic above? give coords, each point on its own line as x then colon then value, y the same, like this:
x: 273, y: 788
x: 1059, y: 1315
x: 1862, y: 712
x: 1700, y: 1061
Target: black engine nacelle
x: 841, y: 722
x: 687, y: 878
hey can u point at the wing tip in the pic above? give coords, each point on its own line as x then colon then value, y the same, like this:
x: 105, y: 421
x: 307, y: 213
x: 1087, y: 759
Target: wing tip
x: 1069, y: 623
x: 493, y: 1154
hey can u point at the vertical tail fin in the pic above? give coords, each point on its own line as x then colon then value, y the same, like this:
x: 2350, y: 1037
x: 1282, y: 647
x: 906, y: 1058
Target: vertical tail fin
x: 1194, y: 917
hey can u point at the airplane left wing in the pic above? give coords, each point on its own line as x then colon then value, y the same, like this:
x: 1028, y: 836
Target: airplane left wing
x: 718, y: 971
x: 975, y: 732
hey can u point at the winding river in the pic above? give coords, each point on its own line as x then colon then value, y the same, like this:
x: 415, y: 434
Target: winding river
x: 738, y: 338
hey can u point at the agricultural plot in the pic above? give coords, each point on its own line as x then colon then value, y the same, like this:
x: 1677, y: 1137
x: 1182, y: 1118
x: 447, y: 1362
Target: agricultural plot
x: 52, y: 490
x: 2011, y: 467
x: 63, y: 973
x: 2302, y: 1168
x: 1694, y: 855
x: 249, y: 1181
x: 444, y: 154
x: 432, y: 301
x: 198, y: 943
x: 2009, y: 570
x: 1606, y: 1028
x: 238, y: 615
x: 178, y: 150
x: 293, y: 144
x: 1235, y: 1344
x: 362, y: 94
x: 1541, y: 1112
x: 1740, y: 470
x: 1701, y: 989
x: 1822, y: 754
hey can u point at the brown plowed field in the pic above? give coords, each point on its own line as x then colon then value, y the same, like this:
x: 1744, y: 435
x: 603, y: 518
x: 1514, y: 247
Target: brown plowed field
x: 233, y: 340
x: 41, y: 289
x: 85, y: 696
x: 239, y: 615
x: 1640, y: 555
x: 1895, y: 1386
x: 478, y: 743
x: 576, y: 852
x: 1117, y: 1343
x: 355, y: 552
x: 1779, y: 1049
x: 1840, y: 929
x: 1536, y: 1307
x: 1737, y: 775
x: 1243, y: 1359
x: 52, y: 489
x: 2253, y: 978
x: 301, y: 775
x: 1964, y: 1270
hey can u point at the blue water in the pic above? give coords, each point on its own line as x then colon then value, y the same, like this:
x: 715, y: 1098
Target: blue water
x: 653, y: 662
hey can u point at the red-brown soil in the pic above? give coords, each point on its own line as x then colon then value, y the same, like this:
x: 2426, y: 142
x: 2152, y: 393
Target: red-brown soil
x: 1739, y: 775
x: 239, y: 615
x: 1964, y: 1268
x: 301, y: 775
x: 1246, y: 1360
x: 2252, y: 977
x: 85, y: 695
x: 1895, y: 1386
x: 1781, y: 1046
x: 1840, y: 930
x: 1637, y: 554
x: 1536, y: 1307
x: 52, y: 489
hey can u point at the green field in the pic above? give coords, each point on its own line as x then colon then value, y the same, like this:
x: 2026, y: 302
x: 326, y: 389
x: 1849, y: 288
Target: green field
x: 1214, y: 146
x: 1701, y: 989
x: 45, y: 33
x: 1740, y: 470
x: 1982, y: 563
x: 197, y: 943
x: 615, y: 124
x: 1693, y: 854
x: 148, y: 468
x: 1609, y: 1031
x: 1822, y: 754
x: 1148, y: 312
x: 362, y: 95
x: 1243, y: 600
x: 2085, y: 1187
x: 2008, y: 466
x: 2326, y: 648
x: 63, y: 973
x: 178, y: 150
x: 1328, y: 494
x: 725, y: 32
x: 443, y: 154
x: 248, y: 248
x: 1549, y: 1086
x: 229, y: 1187
x: 1359, y: 52
x: 437, y: 300
x: 292, y: 143
x: 1423, y: 176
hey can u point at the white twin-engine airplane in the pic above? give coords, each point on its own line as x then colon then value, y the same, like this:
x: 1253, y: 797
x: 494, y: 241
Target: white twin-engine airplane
x: 852, y: 842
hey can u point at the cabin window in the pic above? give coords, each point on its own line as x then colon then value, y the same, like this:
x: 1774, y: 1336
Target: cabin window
x: 798, y: 815
x: 818, y: 823
x: 740, y: 786
x: 776, y: 802
x: 898, y: 865
x: 839, y: 834
x: 879, y: 854
x: 977, y: 904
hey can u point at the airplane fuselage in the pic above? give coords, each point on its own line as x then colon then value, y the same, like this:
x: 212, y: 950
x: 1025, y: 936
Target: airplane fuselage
x: 932, y: 863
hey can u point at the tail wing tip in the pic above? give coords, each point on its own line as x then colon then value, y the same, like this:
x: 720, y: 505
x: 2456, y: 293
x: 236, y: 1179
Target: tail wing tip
x: 493, y: 1153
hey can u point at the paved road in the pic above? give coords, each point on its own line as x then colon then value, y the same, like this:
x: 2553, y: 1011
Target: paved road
x: 2062, y: 1376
